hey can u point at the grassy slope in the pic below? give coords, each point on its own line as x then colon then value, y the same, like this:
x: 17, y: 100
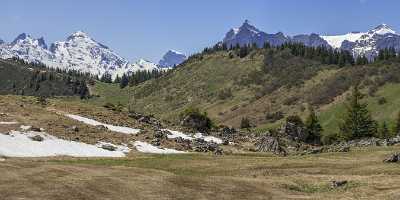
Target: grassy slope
x: 199, y: 82
x: 331, y: 117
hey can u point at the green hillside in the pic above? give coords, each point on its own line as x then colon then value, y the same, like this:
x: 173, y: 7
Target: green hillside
x: 17, y: 77
x: 262, y: 86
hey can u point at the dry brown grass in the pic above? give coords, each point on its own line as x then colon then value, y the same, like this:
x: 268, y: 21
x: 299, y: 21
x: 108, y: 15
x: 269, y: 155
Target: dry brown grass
x: 195, y: 176
x: 189, y: 176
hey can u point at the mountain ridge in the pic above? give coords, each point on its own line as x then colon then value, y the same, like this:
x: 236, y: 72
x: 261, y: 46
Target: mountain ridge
x: 78, y: 52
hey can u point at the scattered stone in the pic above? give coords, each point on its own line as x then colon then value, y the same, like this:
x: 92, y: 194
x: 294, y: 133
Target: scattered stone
x: 156, y: 142
x: 37, y: 138
x: 101, y: 128
x: 145, y: 119
x: 109, y: 147
x: 73, y: 129
x: 201, y: 145
x: 336, y: 184
x: 270, y: 144
x: 161, y: 134
x: 393, y: 158
x: 218, y: 152
x: 35, y: 129
x: 294, y: 132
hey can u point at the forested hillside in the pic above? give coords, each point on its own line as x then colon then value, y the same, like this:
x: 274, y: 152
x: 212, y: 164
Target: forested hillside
x: 18, y: 77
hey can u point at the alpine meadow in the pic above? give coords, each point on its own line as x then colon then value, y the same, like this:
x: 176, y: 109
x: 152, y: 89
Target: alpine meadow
x: 264, y: 100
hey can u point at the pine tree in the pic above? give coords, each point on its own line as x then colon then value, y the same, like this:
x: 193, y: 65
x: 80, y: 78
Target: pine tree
x: 124, y: 81
x: 313, y: 127
x: 397, y: 127
x: 384, y: 132
x: 358, y: 122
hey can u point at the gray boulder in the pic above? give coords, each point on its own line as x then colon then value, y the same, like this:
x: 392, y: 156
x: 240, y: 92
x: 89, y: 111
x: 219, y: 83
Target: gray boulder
x: 270, y: 144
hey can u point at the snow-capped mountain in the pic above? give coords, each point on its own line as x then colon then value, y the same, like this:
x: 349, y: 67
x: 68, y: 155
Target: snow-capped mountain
x: 249, y: 34
x: 367, y: 43
x: 27, y: 48
x: 359, y: 43
x: 79, y: 52
x: 172, y: 58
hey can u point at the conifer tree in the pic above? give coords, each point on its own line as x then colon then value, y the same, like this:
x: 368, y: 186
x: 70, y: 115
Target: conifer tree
x: 313, y: 127
x: 397, y: 127
x: 124, y: 81
x: 384, y: 132
x: 358, y: 122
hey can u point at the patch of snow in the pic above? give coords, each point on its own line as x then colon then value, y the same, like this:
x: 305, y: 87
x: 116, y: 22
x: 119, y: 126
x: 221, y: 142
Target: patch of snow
x: 120, y: 129
x: 176, y: 134
x: 208, y: 138
x: 121, y: 148
x: 25, y: 128
x: 18, y: 144
x: 2, y: 159
x: 148, y: 148
x: 8, y: 123
x: 336, y: 40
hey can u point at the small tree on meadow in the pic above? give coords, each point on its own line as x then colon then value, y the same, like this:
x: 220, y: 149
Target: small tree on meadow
x: 358, y: 122
x: 384, y: 132
x: 313, y: 127
x: 397, y: 127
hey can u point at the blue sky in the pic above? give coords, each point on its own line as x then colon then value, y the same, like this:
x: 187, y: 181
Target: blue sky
x: 148, y: 28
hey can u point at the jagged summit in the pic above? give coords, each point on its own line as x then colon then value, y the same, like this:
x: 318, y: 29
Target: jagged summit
x: 382, y: 29
x: 172, y: 58
x: 78, y: 52
x: 20, y: 37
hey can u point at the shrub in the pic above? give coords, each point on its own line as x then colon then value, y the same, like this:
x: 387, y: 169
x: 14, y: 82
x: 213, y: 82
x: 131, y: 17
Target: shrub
x: 245, y: 123
x: 382, y: 100
x: 194, y: 118
x: 273, y: 117
x: 225, y: 94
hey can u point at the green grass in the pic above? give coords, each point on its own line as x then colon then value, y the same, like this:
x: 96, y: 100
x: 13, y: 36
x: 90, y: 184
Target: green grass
x: 109, y: 93
x: 331, y: 118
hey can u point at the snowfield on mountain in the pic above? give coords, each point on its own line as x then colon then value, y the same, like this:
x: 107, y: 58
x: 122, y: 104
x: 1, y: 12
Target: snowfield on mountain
x: 79, y: 52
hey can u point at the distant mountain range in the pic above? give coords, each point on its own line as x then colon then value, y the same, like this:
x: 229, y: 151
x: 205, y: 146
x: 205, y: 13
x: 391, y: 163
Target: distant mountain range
x: 359, y: 43
x: 80, y: 52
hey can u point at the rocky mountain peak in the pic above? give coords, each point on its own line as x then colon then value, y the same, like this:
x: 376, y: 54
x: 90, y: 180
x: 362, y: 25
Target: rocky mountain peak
x: 382, y: 29
x: 172, y: 58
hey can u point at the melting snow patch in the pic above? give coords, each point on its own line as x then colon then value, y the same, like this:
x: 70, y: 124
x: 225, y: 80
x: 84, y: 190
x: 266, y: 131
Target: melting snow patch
x: 148, y: 148
x: 208, y: 138
x: 8, y: 123
x: 25, y: 128
x: 120, y: 129
x: 177, y: 134
x: 113, y: 147
x: 18, y: 144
